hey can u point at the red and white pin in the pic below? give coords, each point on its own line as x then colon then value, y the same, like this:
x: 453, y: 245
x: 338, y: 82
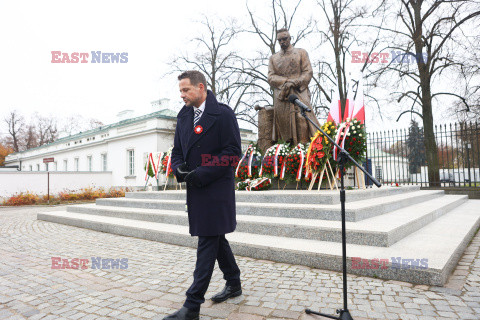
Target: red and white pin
x: 198, y: 129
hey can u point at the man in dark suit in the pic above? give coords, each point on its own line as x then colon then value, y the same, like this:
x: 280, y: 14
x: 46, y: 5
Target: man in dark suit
x: 206, y: 147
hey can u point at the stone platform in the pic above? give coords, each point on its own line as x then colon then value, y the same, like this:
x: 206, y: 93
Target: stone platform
x: 301, y: 227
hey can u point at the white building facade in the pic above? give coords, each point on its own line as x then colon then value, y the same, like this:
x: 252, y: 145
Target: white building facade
x: 119, y: 150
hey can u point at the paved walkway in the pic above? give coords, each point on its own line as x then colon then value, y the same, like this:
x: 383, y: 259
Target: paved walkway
x: 158, y: 275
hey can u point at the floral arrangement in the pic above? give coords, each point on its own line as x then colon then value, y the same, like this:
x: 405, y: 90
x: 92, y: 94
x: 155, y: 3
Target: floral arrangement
x: 274, y: 160
x: 242, y: 185
x: 320, y: 149
x: 257, y: 184
x: 318, y: 164
x: 249, y: 164
x: 293, y: 168
x: 354, y: 141
x: 149, y: 167
x: 165, y: 163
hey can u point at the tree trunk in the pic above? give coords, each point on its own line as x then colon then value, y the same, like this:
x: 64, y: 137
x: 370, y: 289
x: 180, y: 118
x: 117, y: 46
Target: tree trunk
x: 338, y: 64
x: 431, y: 149
x: 426, y: 96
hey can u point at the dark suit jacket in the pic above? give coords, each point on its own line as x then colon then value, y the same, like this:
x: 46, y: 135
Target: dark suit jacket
x: 211, y: 208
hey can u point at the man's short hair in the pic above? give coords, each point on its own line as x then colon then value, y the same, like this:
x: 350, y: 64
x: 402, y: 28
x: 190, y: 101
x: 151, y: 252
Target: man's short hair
x: 195, y: 77
x: 283, y: 30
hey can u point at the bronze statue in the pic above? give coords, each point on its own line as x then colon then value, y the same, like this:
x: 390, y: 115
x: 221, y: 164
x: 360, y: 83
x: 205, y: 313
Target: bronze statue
x: 290, y: 72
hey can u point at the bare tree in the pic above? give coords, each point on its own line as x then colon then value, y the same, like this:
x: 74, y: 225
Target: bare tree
x: 16, y: 127
x: 46, y: 129
x: 31, y: 137
x: 94, y: 123
x: 265, y: 27
x: 470, y: 84
x: 217, y: 61
x: 278, y: 18
x: 75, y: 124
x: 41, y: 130
x: 428, y: 41
x: 342, y: 33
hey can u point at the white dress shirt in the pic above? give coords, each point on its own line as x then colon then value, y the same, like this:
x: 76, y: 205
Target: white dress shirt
x: 201, y: 108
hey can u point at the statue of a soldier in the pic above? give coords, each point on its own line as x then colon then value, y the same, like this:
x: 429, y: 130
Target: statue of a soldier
x: 290, y: 72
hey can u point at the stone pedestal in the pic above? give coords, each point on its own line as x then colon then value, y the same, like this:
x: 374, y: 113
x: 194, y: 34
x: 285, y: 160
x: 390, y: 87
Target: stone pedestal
x: 265, y: 129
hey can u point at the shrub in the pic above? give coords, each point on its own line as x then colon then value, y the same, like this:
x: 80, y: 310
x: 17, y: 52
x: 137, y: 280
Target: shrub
x: 116, y: 193
x: 22, y: 199
x: 44, y: 198
x: 89, y: 193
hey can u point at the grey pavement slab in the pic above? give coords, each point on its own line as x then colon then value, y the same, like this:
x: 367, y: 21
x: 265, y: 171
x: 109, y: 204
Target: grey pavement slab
x: 158, y: 275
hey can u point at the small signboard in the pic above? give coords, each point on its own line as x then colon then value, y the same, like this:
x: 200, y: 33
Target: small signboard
x: 47, y: 160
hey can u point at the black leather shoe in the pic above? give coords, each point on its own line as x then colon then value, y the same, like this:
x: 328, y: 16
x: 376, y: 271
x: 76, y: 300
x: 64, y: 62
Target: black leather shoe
x: 227, y: 292
x: 183, y: 314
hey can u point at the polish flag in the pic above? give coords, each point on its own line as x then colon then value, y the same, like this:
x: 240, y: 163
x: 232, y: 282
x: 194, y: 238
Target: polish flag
x: 336, y: 108
x: 335, y: 112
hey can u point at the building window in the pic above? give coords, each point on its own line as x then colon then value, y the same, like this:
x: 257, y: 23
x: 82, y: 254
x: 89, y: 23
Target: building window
x: 104, y: 161
x: 38, y: 167
x: 89, y: 163
x: 46, y: 166
x: 31, y: 167
x: 76, y: 164
x: 65, y: 165
x: 131, y: 162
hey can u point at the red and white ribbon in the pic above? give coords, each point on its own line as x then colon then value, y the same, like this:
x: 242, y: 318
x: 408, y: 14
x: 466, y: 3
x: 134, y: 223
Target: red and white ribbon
x: 169, y: 165
x: 241, y: 160
x: 282, y: 172
x: 300, y: 167
x: 249, y: 168
x: 263, y: 160
x: 275, y: 160
x: 152, y: 163
x: 344, y: 128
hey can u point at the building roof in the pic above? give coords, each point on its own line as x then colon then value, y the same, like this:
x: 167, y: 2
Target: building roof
x: 163, y: 114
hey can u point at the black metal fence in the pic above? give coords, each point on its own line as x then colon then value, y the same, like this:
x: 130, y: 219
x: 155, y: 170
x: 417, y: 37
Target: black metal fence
x: 399, y: 156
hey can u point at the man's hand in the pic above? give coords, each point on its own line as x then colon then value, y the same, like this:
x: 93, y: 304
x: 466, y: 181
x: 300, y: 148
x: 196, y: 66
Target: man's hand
x: 182, y: 172
x: 193, y: 179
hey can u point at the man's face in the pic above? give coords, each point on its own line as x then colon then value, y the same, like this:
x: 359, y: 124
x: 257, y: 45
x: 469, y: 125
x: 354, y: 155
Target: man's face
x: 284, y: 40
x: 191, y: 95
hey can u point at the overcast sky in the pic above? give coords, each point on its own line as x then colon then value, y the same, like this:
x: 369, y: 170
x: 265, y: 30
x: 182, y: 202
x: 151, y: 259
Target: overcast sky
x: 151, y: 32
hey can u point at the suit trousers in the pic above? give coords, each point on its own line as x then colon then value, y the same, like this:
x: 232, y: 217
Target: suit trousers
x: 211, y: 249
